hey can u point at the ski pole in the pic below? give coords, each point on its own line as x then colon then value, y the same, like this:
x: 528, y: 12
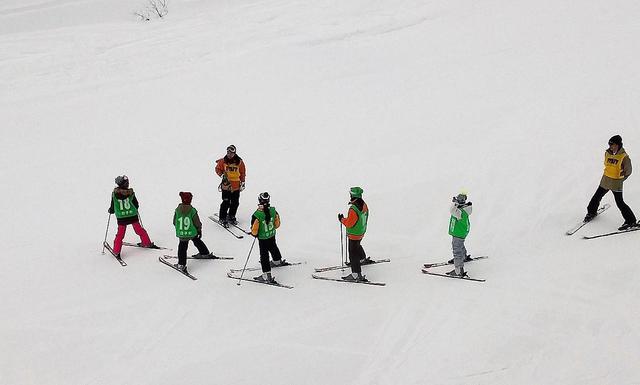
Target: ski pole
x: 105, y: 233
x: 245, y: 262
x: 347, y: 255
x: 140, y: 219
x: 341, y: 247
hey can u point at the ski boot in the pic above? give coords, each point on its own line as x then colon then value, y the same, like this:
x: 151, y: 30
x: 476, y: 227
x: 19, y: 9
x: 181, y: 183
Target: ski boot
x: 627, y: 226
x: 589, y: 217
x: 233, y: 221
x: 149, y: 246
x: 182, y: 268
x: 265, y: 278
x: 366, y: 261
x: 456, y: 274
x: 357, y: 278
x: 280, y: 263
x: 203, y: 256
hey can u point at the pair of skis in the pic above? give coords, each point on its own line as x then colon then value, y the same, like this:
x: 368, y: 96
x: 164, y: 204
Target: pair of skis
x: 367, y: 282
x: 272, y: 283
x: 259, y: 268
x: 216, y: 219
x: 602, y: 209
x: 165, y: 259
x: 340, y: 267
x: 440, y: 264
x: 232, y: 274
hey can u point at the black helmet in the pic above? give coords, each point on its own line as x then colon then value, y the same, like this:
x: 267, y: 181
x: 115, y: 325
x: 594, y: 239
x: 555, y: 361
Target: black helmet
x: 264, y: 198
x: 122, y: 181
x: 460, y: 198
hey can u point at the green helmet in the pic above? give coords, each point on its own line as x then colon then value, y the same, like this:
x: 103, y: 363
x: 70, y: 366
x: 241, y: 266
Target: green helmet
x: 356, y: 192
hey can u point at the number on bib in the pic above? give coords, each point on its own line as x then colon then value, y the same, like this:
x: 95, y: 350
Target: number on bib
x: 184, y: 223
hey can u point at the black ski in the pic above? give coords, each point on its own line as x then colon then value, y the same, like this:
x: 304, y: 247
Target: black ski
x: 234, y: 225
x: 450, y: 276
x: 108, y: 247
x: 581, y: 224
x: 260, y: 268
x: 430, y: 265
x: 342, y: 280
x: 186, y: 274
x: 274, y: 283
x: 329, y: 268
x: 226, y: 228
x: 194, y: 257
x: 611, y: 233
x: 153, y: 247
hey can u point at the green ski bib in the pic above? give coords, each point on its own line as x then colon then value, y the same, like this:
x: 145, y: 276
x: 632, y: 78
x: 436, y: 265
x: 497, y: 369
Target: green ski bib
x: 184, y: 224
x: 361, y: 226
x: 124, y: 208
x: 266, y: 230
x: 459, y: 228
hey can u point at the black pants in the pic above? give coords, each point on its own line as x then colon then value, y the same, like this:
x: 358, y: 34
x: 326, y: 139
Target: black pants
x: 268, y: 246
x: 184, y: 244
x: 230, y: 203
x: 356, y: 254
x: 627, y: 214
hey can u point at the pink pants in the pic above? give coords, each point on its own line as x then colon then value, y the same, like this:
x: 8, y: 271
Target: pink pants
x: 144, y: 237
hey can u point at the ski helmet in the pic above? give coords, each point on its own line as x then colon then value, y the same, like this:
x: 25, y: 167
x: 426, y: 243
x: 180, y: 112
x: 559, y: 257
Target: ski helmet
x: 461, y: 198
x: 264, y: 198
x: 231, y: 148
x: 122, y: 181
x: 356, y: 192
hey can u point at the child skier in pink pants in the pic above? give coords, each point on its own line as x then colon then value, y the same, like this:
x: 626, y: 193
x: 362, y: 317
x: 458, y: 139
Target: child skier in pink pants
x: 125, y: 205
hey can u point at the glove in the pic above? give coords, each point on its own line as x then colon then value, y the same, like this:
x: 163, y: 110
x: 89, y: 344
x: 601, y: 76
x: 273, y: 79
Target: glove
x: 241, y: 186
x: 110, y: 210
x: 340, y: 217
x: 469, y: 204
x: 199, y: 235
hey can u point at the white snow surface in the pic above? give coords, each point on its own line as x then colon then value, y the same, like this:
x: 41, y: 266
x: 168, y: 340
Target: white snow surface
x: 413, y: 100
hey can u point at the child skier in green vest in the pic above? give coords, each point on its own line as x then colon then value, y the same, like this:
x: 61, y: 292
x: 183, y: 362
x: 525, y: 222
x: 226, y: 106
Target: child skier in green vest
x: 459, y: 227
x: 125, y: 206
x: 356, y: 224
x: 188, y: 228
x: 264, y: 222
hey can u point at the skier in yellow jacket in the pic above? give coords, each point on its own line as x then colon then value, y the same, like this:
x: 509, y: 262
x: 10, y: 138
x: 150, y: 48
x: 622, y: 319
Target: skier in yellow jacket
x: 617, y: 168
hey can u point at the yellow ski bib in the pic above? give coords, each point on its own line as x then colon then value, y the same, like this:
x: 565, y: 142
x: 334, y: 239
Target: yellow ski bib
x: 613, y: 165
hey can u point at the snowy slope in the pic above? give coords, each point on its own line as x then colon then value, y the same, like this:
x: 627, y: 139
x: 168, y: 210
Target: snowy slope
x: 512, y: 100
